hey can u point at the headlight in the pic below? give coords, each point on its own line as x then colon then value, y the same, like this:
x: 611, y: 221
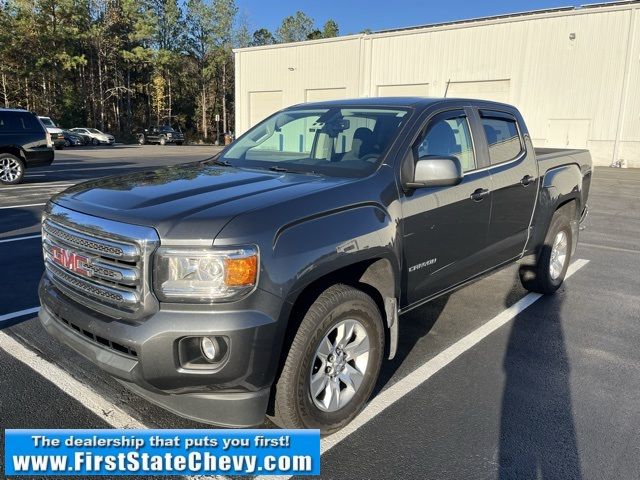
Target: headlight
x: 204, y: 276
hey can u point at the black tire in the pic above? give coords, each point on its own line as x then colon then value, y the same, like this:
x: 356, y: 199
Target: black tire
x: 163, y: 141
x: 17, y: 166
x: 142, y: 140
x: 538, y: 277
x: 293, y: 405
x: 179, y: 143
x: 67, y: 143
x: 59, y: 147
x: 95, y: 142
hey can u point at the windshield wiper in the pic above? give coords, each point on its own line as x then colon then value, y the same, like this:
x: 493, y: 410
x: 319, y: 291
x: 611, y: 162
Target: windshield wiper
x: 222, y: 163
x: 277, y: 168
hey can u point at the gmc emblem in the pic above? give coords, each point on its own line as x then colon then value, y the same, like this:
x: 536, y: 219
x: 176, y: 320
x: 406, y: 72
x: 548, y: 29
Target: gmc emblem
x: 71, y: 261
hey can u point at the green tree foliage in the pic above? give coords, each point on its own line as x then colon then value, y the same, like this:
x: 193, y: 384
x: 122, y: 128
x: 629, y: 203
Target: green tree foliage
x: 330, y: 29
x: 295, y: 28
x: 121, y: 65
x: 262, y: 37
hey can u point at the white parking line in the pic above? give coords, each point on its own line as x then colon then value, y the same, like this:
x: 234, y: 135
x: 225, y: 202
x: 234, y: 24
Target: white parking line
x: 7, y: 240
x: 21, y: 206
x: 21, y: 313
x: 423, y: 373
x: 88, y: 397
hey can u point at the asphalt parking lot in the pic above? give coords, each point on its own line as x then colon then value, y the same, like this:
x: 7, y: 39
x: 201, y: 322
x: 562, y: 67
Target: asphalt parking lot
x: 489, y: 382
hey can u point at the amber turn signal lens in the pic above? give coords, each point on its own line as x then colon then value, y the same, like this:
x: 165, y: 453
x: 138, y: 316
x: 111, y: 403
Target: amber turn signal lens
x: 240, y: 271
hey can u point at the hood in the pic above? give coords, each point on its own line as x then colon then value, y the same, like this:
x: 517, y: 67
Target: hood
x: 187, y: 202
x: 54, y: 129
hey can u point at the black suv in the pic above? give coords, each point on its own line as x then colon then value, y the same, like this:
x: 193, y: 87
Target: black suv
x: 162, y: 135
x: 24, y: 142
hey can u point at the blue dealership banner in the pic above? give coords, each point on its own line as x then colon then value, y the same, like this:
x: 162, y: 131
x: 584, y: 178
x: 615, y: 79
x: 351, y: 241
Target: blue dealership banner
x: 162, y: 452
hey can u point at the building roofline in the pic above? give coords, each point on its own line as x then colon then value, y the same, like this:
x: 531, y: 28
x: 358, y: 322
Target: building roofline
x: 516, y: 16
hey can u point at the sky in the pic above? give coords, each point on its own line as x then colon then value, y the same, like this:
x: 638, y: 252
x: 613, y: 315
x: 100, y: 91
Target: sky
x: 353, y: 16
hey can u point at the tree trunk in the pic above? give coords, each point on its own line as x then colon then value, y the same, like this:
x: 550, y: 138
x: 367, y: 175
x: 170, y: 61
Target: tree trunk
x: 169, y: 110
x: 4, y: 90
x: 205, y: 130
x: 224, y: 96
x: 101, y: 90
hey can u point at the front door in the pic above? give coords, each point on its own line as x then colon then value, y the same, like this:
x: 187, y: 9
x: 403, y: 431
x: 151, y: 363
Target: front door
x: 445, y: 228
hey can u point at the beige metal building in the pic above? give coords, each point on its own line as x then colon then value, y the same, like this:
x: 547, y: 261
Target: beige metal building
x: 573, y: 72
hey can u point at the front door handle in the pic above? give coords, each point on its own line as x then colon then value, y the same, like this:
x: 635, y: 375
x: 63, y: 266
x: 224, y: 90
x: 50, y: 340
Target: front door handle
x: 479, y: 194
x: 526, y: 180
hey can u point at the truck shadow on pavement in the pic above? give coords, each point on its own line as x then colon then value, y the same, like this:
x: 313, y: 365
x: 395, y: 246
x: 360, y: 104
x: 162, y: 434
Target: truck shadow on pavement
x: 537, y: 432
x: 414, y: 326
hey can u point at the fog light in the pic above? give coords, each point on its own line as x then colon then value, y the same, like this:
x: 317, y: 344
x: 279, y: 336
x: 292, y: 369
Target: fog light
x: 209, y: 348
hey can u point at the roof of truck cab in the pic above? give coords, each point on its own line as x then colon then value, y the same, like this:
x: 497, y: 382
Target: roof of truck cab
x: 419, y: 102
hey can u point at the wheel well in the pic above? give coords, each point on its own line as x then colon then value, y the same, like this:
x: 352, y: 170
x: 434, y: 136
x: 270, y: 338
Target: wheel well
x: 571, y: 206
x: 15, y: 151
x: 370, y: 276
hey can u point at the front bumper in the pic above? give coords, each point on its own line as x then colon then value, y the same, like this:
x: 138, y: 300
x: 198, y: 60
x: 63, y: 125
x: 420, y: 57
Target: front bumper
x: 144, y: 356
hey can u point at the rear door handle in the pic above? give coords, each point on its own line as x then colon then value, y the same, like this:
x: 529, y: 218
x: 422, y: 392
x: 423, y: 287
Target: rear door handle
x: 526, y: 180
x: 479, y: 194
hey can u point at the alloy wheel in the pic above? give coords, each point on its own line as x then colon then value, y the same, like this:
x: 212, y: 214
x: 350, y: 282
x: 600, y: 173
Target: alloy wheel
x: 558, y: 254
x: 339, y: 365
x: 10, y: 169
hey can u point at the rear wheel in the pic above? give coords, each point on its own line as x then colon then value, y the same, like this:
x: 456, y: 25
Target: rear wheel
x: 333, y: 363
x: 11, y: 169
x: 548, y: 273
x: 142, y: 140
x: 178, y: 143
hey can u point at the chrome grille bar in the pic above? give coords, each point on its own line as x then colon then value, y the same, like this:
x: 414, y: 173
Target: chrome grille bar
x: 114, y: 262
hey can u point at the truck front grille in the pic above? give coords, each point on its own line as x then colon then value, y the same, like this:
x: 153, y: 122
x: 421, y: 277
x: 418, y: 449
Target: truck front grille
x: 96, y: 266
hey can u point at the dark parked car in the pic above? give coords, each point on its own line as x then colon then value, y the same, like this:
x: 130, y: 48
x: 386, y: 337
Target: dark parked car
x: 161, y: 135
x: 24, y: 143
x: 271, y: 278
x: 72, y: 139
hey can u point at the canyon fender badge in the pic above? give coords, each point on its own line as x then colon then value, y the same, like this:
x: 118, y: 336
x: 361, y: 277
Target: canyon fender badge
x: 431, y: 261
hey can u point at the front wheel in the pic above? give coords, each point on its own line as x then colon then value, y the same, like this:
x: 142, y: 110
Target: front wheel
x: 141, y: 140
x: 67, y: 143
x: 95, y: 142
x: 333, y: 363
x: 549, y: 271
x: 11, y: 169
x: 163, y: 141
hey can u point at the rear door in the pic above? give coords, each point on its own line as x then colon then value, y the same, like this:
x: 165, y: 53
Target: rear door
x: 445, y: 228
x: 514, y: 175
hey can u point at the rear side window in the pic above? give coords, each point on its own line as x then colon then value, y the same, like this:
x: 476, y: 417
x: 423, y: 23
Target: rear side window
x: 503, y: 137
x: 17, y: 122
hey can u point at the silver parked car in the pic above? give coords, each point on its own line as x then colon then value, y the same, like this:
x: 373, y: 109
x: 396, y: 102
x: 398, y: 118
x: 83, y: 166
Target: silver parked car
x: 96, y: 136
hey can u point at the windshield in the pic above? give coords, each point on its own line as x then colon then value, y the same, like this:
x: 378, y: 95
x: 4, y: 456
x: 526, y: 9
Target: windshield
x: 47, y: 121
x: 338, y: 141
x: 94, y: 130
x: 166, y: 128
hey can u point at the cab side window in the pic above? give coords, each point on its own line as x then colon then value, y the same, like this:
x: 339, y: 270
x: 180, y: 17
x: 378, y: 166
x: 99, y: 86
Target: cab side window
x: 448, y: 134
x: 503, y: 137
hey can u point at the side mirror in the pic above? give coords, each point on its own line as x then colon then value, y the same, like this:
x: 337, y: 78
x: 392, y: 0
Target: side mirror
x: 436, y: 171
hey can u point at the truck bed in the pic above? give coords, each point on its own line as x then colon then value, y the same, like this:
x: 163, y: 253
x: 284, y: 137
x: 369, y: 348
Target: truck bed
x: 553, y: 157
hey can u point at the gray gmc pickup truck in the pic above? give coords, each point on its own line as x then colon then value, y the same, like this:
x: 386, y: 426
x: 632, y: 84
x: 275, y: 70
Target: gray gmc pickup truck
x: 269, y: 279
